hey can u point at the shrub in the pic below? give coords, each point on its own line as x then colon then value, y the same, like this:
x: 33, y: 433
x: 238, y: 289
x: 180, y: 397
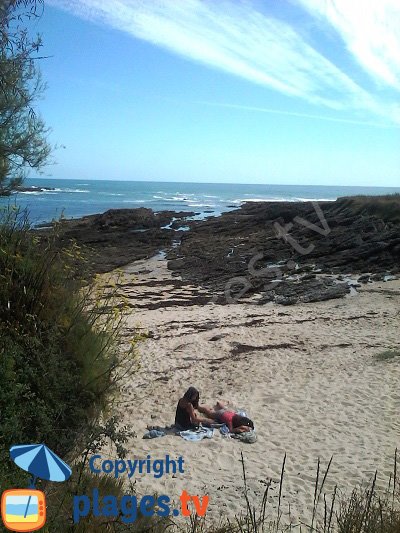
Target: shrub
x: 58, y: 352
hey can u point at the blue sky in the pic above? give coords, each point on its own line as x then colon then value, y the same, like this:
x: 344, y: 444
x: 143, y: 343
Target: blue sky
x: 262, y: 91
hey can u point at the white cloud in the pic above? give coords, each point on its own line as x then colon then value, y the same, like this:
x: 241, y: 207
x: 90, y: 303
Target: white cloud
x: 295, y: 114
x: 232, y: 36
x: 370, y: 30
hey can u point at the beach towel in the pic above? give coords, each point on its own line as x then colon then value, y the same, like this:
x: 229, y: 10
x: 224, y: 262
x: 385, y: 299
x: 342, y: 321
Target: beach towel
x: 195, y: 435
x: 224, y: 430
x: 154, y: 433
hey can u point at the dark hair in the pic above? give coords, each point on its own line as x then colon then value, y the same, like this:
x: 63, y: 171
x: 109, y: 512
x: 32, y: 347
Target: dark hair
x: 239, y: 420
x: 192, y: 395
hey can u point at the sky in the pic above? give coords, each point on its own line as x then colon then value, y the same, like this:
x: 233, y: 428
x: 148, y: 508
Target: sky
x: 226, y: 91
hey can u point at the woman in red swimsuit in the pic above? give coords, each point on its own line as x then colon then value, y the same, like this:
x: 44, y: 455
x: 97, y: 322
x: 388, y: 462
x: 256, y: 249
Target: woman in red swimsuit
x: 236, y: 423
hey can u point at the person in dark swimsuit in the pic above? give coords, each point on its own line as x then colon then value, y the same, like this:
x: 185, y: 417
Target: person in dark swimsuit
x: 186, y: 416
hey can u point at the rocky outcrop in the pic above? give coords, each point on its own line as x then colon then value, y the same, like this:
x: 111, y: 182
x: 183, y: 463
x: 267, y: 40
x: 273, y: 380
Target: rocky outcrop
x: 285, y: 251
x: 282, y: 252
x: 120, y: 236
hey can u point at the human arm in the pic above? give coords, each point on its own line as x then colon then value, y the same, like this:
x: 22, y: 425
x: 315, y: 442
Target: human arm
x: 196, y: 420
x: 208, y: 412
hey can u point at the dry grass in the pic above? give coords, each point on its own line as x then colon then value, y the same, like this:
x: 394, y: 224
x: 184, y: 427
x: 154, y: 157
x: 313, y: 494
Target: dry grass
x: 386, y: 207
x: 364, y: 511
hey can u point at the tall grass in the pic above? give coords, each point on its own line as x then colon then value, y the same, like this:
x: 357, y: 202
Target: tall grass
x: 59, y: 351
x: 366, y: 510
x: 369, y: 511
x: 386, y: 207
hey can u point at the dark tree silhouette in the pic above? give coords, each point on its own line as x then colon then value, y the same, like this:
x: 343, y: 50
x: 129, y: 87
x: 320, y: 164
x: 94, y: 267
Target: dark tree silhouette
x: 23, y: 134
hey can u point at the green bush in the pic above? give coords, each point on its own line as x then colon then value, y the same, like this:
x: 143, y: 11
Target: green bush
x: 58, y: 349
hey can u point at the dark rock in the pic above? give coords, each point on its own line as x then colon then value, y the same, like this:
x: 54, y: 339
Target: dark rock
x: 252, y: 246
x: 175, y: 264
x: 282, y: 251
x: 120, y: 236
x: 308, y: 276
x: 325, y: 292
x: 285, y: 300
x: 378, y: 277
x: 306, y: 291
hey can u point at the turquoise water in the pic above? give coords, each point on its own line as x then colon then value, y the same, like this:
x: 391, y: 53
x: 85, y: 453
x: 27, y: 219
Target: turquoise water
x: 76, y: 198
x: 22, y: 505
x: 22, y: 510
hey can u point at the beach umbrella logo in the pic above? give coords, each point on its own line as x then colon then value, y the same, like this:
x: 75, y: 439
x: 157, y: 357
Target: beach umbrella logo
x: 25, y: 509
x: 41, y: 462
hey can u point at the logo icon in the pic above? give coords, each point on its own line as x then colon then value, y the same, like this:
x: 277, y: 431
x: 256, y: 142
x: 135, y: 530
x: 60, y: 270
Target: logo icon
x: 23, y: 509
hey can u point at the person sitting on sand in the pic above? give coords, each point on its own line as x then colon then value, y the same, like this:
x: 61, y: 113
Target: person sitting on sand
x: 185, y: 416
x: 221, y: 414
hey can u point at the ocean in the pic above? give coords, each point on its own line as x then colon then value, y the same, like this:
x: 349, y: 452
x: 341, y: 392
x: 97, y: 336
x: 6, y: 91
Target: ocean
x: 75, y: 198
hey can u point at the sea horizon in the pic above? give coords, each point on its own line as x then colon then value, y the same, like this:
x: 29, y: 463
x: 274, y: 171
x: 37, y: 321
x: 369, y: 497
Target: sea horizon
x: 74, y: 198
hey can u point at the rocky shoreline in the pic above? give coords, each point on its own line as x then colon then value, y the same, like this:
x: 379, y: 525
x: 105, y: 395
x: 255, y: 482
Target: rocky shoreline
x: 285, y: 252
x: 120, y: 236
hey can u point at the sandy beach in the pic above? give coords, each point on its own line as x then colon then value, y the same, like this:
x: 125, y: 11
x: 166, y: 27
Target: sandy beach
x: 306, y: 374
x: 200, y: 209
